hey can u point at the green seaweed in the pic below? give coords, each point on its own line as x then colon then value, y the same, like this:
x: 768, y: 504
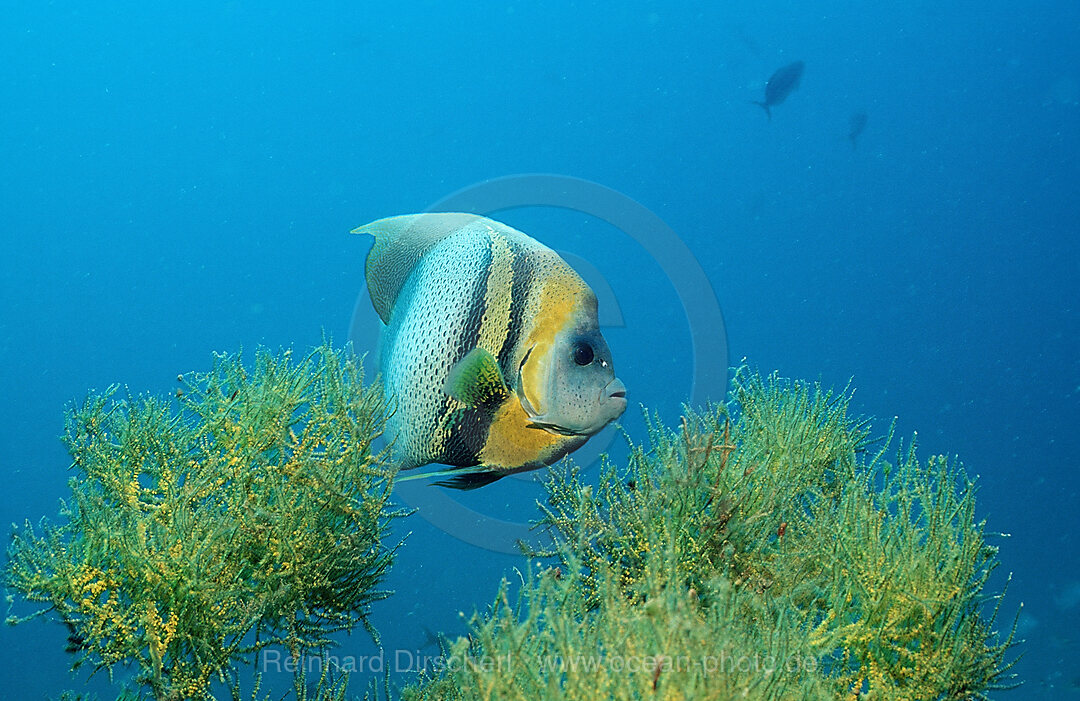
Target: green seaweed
x: 765, y: 549
x: 762, y: 551
x: 252, y: 517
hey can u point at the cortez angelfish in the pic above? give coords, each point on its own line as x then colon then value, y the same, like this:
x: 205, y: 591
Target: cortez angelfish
x: 491, y: 352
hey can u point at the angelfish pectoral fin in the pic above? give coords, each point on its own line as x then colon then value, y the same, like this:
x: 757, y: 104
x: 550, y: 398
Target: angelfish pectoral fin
x: 476, y: 380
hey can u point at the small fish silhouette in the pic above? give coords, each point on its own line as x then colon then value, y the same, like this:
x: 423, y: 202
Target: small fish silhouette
x: 856, y: 127
x: 780, y: 85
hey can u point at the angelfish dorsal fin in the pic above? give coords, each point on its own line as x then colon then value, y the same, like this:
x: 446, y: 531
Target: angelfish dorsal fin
x: 476, y: 380
x: 400, y: 243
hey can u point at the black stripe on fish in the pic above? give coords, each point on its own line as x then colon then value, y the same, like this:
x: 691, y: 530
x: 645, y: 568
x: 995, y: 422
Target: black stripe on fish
x: 520, y: 287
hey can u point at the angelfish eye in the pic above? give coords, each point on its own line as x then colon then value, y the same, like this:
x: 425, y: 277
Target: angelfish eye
x: 583, y: 353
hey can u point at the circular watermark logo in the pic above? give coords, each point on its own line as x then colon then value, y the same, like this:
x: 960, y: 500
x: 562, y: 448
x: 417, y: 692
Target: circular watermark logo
x: 708, y: 338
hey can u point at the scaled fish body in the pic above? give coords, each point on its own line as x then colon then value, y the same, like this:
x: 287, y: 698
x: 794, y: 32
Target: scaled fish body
x: 491, y: 352
x: 780, y: 85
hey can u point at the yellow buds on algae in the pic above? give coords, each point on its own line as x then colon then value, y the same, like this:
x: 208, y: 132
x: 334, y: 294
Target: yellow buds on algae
x: 762, y: 550
x: 251, y: 516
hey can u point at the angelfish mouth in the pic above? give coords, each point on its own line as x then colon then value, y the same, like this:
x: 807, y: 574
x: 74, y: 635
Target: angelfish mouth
x: 615, y: 390
x: 613, y: 400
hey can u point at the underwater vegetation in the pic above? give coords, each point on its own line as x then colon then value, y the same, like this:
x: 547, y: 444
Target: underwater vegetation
x: 252, y: 517
x: 762, y: 550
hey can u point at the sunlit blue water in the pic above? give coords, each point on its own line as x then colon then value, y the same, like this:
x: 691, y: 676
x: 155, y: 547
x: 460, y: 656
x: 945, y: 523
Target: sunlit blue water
x: 180, y: 179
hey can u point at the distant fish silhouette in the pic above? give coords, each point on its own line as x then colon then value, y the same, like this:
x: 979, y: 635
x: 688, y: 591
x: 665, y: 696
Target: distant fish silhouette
x: 75, y: 642
x: 780, y: 85
x: 856, y: 126
x: 431, y: 640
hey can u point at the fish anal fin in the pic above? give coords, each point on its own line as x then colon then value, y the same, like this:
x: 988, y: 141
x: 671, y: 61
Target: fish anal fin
x: 472, y: 480
x: 465, y: 478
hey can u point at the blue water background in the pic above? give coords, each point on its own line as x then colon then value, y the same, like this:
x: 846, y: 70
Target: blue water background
x: 177, y: 179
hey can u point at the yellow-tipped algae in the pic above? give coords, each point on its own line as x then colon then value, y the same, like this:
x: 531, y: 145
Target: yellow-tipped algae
x: 762, y: 550
x: 253, y: 517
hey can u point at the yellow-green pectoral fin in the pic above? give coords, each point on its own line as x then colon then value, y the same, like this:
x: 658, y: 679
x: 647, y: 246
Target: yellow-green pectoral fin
x: 476, y: 380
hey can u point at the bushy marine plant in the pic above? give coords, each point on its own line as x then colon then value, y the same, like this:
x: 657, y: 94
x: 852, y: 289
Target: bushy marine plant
x: 764, y: 535
x: 253, y: 517
x: 557, y: 642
